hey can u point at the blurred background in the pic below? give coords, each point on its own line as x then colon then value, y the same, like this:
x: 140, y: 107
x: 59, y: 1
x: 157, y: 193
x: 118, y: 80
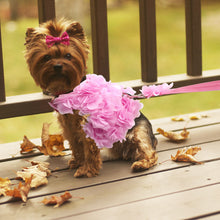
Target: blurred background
x: 124, y: 48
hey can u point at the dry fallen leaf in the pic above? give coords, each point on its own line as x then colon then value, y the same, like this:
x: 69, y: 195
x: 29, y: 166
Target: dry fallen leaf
x: 45, y: 132
x: 4, y: 185
x: 190, y: 117
x: 43, y: 166
x: 27, y: 146
x: 195, y: 117
x: 174, y: 136
x: 52, y: 145
x: 57, y: 200
x: 38, y: 171
x: 21, y: 191
x: 186, y: 155
x: 178, y: 118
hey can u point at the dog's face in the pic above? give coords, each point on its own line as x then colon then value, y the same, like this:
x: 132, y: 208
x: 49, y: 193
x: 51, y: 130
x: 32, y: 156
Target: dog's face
x: 57, y: 68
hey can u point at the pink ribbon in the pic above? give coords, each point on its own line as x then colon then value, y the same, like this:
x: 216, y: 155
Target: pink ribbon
x: 64, y: 39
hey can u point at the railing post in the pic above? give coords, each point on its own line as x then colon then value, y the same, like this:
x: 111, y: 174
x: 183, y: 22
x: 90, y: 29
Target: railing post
x: 46, y: 10
x: 148, y: 40
x: 100, y: 37
x: 193, y: 37
x: 2, y: 81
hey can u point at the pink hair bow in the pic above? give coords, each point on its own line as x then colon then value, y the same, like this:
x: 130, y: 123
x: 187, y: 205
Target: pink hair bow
x: 64, y: 39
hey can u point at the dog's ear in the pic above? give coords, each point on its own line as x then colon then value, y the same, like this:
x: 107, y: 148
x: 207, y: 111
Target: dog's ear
x: 29, y: 35
x: 29, y: 32
x: 75, y: 30
x: 33, y: 35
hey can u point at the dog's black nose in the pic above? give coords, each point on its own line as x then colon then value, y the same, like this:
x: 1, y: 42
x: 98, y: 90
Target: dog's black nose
x: 57, y: 67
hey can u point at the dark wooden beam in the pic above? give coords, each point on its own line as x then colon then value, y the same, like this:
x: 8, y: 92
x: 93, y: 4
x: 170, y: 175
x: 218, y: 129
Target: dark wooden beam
x: 100, y: 37
x: 148, y: 40
x: 37, y: 103
x: 2, y: 81
x: 193, y: 37
x: 22, y: 105
x: 46, y: 10
x: 179, y: 80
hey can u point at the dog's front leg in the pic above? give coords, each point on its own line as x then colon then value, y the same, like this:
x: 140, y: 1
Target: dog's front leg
x: 72, y: 131
x: 86, y: 155
x: 92, y: 160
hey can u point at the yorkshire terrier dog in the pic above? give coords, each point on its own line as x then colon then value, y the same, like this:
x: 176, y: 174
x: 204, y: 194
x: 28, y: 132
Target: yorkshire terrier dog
x: 56, y: 54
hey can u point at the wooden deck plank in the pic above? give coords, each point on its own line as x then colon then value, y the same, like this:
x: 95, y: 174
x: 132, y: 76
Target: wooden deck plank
x: 9, y: 150
x: 213, y: 117
x: 109, y: 173
x: 183, y: 205
x: 212, y: 131
x: 117, y: 193
x: 211, y: 216
x: 131, y: 191
x: 197, y: 136
x: 210, y: 151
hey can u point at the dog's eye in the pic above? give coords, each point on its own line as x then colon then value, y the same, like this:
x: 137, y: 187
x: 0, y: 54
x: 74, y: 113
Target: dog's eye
x: 68, y: 56
x: 47, y: 57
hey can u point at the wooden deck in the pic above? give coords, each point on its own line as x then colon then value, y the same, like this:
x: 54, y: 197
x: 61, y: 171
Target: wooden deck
x: 169, y: 190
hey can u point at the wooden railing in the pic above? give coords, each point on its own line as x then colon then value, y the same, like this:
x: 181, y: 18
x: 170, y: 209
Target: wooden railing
x: 38, y: 103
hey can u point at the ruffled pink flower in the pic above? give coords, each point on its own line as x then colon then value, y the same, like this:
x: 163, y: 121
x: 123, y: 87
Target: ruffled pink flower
x: 153, y: 90
x: 129, y: 91
x: 110, y: 113
x: 62, y: 104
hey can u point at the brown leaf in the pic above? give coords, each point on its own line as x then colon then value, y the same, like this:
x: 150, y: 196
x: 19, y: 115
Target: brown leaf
x: 57, y: 200
x: 186, y: 155
x: 194, y: 117
x: 38, y: 171
x: 27, y: 146
x: 52, y: 145
x: 45, y: 132
x: 190, y: 117
x: 43, y: 166
x: 178, y: 118
x: 193, y: 150
x: 21, y: 191
x: 174, y: 136
x: 197, y: 116
x: 4, y: 185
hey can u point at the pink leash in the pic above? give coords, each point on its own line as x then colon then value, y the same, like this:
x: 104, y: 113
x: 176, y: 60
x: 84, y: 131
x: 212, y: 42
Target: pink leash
x: 165, y: 89
x: 200, y: 87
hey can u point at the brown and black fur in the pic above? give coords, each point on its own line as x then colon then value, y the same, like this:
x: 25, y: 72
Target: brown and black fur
x: 139, y: 147
x: 58, y: 70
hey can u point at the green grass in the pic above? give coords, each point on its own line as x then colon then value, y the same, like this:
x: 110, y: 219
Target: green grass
x: 17, y: 77
x: 124, y: 48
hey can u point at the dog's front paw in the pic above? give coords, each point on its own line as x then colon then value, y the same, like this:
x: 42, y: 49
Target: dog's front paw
x: 85, y: 171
